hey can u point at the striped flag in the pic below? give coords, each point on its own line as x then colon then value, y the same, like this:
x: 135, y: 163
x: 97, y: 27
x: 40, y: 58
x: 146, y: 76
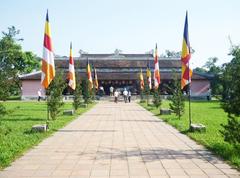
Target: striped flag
x: 48, y: 67
x: 141, y: 80
x: 95, y: 78
x: 148, y: 74
x: 71, y: 72
x: 89, y: 74
x: 156, y: 76
x: 186, y: 55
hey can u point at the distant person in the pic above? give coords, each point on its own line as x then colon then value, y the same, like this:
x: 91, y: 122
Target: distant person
x: 129, y: 96
x: 39, y: 95
x: 111, y: 90
x: 125, y: 95
x: 209, y: 94
x: 101, y: 91
x: 116, y: 94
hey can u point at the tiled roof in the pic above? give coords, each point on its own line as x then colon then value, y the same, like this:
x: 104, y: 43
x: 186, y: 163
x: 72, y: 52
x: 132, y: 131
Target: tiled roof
x: 117, y: 66
x: 116, y: 55
x: 115, y: 75
x: 102, y: 63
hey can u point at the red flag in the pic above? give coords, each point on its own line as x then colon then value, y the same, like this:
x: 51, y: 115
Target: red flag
x: 48, y: 67
x: 95, y: 78
x: 89, y: 74
x: 185, y: 58
x: 141, y: 80
x: 149, y: 79
x: 156, y: 76
x: 71, y: 72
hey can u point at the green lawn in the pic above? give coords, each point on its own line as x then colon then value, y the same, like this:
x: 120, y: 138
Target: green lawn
x: 212, y: 116
x: 16, y: 126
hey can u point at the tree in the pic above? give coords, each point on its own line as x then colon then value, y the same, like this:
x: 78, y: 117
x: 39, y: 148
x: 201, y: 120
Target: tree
x: 54, y: 95
x: 77, y: 96
x: 177, y: 98
x: 86, y: 91
x: 157, y: 101
x: 12, y: 33
x: 31, y: 62
x: 171, y: 54
x: 147, y: 90
x: 142, y: 100
x: 174, y: 54
x: 93, y: 93
x: 210, y: 67
x: 142, y: 91
x: 216, y: 85
x: 13, y: 61
x: 231, y: 98
x: 200, y: 70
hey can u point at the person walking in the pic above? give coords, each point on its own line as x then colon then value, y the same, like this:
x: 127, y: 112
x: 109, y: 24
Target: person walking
x: 101, y: 91
x: 125, y: 95
x: 39, y: 94
x: 129, y: 96
x: 116, y: 96
x: 209, y: 94
x: 111, y: 90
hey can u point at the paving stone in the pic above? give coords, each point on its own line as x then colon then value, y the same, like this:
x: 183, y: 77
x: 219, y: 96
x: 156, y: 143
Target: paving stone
x: 83, y: 173
x: 175, y: 172
x: 100, y: 172
x: 61, y: 173
x: 157, y: 172
x: 213, y: 172
x: 119, y: 172
x: 194, y: 172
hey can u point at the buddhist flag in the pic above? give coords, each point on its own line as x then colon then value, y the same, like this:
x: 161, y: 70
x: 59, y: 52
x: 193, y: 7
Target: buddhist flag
x: 95, y: 78
x: 71, y: 72
x: 48, y: 67
x: 186, y: 55
x: 141, y: 80
x: 89, y: 75
x: 149, y: 79
x: 156, y: 76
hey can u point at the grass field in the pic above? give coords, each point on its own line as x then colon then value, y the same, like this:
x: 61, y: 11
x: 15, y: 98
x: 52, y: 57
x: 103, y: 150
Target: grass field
x: 15, y: 128
x: 212, y: 116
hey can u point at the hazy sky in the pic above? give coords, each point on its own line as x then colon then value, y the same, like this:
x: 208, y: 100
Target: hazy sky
x: 134, y: 26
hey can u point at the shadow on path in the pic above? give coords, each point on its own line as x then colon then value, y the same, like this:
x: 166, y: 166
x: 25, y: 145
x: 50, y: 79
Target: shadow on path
x: 156, y: 154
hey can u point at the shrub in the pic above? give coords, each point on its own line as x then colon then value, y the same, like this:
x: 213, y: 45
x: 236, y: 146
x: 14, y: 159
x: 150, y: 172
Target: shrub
x: 157, y: 101
x: 231, y: 131
x: 86, y: 91
x: 231, y: 98
x: 77, y: 96
x: 177, y: 98
x: 54, y: 95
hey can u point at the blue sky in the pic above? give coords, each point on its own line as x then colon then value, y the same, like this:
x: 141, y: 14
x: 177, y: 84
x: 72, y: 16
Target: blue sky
x: 134, y: 26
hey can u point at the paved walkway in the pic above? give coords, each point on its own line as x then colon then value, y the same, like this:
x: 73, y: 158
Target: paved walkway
x: 118, y: 141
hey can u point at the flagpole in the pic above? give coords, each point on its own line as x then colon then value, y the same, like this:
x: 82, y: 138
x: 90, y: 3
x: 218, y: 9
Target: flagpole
x: 48, y: 73
x: 189, y: 80
x: 189, y: 96
x: 148, y: 92
x: 47, y: 112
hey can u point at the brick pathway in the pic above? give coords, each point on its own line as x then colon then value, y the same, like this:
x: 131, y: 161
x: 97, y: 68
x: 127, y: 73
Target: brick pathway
x: 118, y: 141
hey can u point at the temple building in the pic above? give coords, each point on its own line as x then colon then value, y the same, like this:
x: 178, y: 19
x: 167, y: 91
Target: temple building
x: 120, y: 71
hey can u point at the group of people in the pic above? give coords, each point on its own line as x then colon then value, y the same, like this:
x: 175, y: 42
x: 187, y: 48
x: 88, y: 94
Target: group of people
x: 126, y: 95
